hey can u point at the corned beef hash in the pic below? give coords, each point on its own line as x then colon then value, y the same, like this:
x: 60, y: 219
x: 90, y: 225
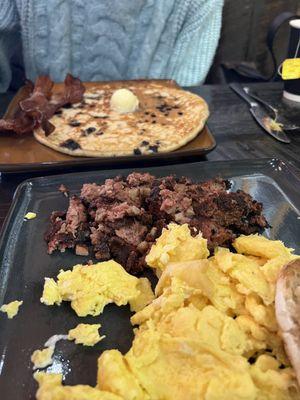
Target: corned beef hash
x: 121, y: 218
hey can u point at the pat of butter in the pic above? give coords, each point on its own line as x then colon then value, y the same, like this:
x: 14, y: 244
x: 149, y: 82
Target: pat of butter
x: 291, y: 69
x: 123, y: 101
x: 30, y: 215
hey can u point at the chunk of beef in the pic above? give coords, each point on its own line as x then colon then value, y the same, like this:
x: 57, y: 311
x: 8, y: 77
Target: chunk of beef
x: 176, y: 202
x: 133, y: 233
x: 113, y: 192
x: 126, y: 255
x: 76, y: 215
x: 116, y: 212
x: 90, y: 192
x: 64, y: 190
x: 137, y: 179
x: 68, y: 228
x: 81, y: 250
x: 215, y: 185
x: 102, y: 251
x: 215, y: 234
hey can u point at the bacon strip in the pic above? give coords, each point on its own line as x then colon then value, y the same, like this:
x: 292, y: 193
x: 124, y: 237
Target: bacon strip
x: 38, y: 105
x: 73, y: 92
x: 39, y: 99
x: 18, y: 121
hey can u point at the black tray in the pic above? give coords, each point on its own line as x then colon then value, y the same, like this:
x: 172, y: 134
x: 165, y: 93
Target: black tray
x: 25, y: 263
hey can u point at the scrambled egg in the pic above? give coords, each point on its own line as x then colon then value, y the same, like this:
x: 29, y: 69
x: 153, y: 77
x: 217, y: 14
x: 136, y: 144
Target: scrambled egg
x: 145, y: 297
x: 90, y: 288
x: 85, y: 334
x: 260, y: 246
x: 30, y: 215
x: 176, y: 244
x: 11, y: 309
x: 50, y: 388
x: 210, y: 333
x: 42, y: 358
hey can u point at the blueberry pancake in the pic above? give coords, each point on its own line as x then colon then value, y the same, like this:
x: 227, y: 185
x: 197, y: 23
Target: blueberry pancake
x: 126, y: 118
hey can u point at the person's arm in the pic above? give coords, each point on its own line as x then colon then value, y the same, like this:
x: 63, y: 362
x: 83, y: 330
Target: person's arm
x: 196, y: 43
x: 8, y: 29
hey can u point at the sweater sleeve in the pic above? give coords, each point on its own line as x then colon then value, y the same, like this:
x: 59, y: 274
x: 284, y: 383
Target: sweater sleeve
x: 8, y: 29
x: 196, y: 43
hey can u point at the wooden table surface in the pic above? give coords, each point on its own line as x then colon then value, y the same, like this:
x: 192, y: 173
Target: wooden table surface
x: 237, y: 135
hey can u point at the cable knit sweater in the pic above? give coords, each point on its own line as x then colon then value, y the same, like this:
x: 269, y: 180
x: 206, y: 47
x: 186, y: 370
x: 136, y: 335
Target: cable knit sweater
x: 110, y: 39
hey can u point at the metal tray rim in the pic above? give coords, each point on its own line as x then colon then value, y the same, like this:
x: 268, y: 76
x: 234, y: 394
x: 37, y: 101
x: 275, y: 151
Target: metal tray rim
x: 262, y: 161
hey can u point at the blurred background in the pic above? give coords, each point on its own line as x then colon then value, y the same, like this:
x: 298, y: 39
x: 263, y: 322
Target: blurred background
x: 245, y: 27
x: 243, y: 38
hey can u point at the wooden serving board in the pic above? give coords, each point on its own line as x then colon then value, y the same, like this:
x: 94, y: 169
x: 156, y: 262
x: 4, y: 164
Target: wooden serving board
x: 24, y: 153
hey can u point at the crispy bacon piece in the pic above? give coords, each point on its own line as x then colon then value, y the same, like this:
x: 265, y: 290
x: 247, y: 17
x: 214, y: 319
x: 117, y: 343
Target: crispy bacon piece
x: 21, y: 125
x: 18, y: 121
x: 39, y: 99
x: 38, y: 104
x: 73, y: 92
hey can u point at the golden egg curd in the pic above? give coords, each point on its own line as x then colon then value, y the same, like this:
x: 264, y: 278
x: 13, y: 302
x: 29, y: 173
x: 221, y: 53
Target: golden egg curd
x: 90, y: 288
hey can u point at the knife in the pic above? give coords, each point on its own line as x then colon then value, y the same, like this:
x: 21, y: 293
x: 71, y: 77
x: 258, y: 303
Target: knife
x: 260, y: 115
x: 285, y: 124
